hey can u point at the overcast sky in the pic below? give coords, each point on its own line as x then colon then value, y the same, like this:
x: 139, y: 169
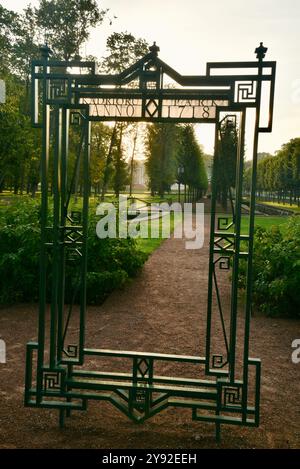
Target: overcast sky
x: 192, y: 32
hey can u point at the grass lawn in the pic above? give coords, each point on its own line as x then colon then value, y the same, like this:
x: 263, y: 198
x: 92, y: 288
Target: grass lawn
x: 265, y: 222
x: 148, y: 245
x: 142, y: 197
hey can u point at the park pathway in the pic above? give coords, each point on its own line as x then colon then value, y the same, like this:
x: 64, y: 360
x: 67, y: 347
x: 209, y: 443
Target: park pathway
x: 162, y: 310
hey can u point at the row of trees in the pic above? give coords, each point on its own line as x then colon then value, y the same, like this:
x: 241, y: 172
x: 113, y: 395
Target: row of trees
x: 278, y: 176
x: 68, y: 26
x: 174, y: 155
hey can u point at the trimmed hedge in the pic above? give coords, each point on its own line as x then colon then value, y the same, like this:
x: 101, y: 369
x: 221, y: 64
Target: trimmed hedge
x: 276, y: 270
x: 111, y: 262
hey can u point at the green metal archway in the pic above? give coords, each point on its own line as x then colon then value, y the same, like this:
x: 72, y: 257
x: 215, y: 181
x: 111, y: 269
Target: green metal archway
x: 72, y: 94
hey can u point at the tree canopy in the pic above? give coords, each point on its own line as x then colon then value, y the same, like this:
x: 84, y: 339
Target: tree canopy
x: 279, y: 174
x: 174, y: 155
x: 224, y: 168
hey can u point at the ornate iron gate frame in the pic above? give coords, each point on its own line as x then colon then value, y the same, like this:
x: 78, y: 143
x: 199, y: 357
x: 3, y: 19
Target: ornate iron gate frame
x: 55, y: 377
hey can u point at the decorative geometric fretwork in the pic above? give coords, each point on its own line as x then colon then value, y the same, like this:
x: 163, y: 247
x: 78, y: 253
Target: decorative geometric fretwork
x: 224, y: 262
x: 58, y: 89
x: 218, y: 361
x: 75, y: 118
x: 73, y: 255
x: 52, y: 380
x: 143, y: 367
x: 223, y: 243
x: 140, y: 93
x: 73, y: 243
x: 151, y: 85
x: 74, y: 236
x: 152, y: 107
x: 140, y: 398
x: 231, y: 396
x: 245, y: 91
x: 75, y: 217
x: 71, y: 351
x: 224, y: 223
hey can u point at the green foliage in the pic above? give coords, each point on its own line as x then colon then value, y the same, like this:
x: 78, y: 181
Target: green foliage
x: 7, y: 19
x: 19, y: 144
x: 276, y: 270
x: 190, y: 157
x: 68, y: 24
x: 111, y: 262
x: 161, y: 165
x: 100, y: 142
x: 120, y: 176
x: 170, y: 147
x: 280, y: 173
x: 123, y: 50
x: 224, y: 169
x: 19, y: 252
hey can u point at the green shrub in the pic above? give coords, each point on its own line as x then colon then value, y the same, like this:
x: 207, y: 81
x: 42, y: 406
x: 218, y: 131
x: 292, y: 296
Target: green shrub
x: 111, y: 262
x: 100, y: 284
x: 276, y: 270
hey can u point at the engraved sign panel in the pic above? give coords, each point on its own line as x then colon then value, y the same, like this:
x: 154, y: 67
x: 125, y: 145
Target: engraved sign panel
x: 191, y: 108
x: 151, y: 108
x: 114, y: 107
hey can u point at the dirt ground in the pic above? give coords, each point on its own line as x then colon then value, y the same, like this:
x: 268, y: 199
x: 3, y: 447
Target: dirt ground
x: 163, y: 310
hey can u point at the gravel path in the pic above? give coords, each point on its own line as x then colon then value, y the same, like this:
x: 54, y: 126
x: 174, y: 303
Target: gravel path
x: 163, y: 310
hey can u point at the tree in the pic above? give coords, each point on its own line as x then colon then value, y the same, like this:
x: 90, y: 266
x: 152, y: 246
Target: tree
x: 68, y: 24
x: 19, y: 144
x: 100, y: 141
x: 132, y: 161
x: 190, y: 158
x: 27, y: 39
x: 120, y: 173
x: 224, y: 169
x: 123, y: 50
x: 161, y: 161
x: 8, y: 20
x: 279, y: 175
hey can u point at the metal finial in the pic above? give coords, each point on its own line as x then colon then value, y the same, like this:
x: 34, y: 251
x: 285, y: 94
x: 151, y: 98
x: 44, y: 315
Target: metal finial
x: 45, y: 51
x: 261, y: 51
x: 154, y: 49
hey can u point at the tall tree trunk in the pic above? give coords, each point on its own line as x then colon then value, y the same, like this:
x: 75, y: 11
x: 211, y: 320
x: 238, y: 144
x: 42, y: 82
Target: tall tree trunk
x: 107, y: 163
x: 132, y: 161
x: 118, y: 163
